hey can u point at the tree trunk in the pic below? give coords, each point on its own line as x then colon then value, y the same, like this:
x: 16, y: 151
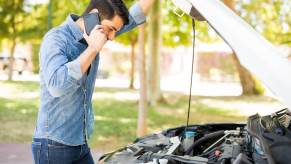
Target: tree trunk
x: 50, y: 14
x: 248, y: 83
x: 12, y: 48
x: 142, y: 114
x: 35, y: 57
x: 132, y: 70
x: 11, y: 60
x: 154, y: 42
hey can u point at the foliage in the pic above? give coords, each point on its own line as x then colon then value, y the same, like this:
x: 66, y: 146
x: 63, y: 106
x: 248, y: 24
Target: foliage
x: 129, y: 38
x: 11, y: 13
x: 35, y: 58
x: 177, y: 31
x: 35, y: 24
x: 259, y: 89
x: 61, y: 9
x: 21, y: 20
x: 271, y: 18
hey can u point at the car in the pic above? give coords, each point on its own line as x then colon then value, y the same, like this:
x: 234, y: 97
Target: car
x: 20, y: 64
x: 261, y: 140
x: 102, y: 74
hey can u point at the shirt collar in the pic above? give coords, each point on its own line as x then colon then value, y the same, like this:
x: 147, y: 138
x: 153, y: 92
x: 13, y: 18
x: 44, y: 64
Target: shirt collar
x: 77, y: 33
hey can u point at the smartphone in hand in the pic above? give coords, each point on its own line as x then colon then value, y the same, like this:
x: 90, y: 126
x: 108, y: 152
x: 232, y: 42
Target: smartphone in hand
x: 90, y: 21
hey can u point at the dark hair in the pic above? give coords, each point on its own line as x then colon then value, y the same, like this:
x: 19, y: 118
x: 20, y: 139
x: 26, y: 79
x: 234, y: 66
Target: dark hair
x: 108, y: 9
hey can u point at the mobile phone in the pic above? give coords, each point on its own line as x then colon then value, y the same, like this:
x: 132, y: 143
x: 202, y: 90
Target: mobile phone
x: 90, y: 21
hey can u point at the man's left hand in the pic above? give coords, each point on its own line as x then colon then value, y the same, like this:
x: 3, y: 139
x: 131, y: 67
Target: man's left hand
x: 146, y: 5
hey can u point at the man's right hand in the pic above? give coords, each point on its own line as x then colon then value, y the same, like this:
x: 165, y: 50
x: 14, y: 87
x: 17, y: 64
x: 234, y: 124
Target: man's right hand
x: 96, y: 39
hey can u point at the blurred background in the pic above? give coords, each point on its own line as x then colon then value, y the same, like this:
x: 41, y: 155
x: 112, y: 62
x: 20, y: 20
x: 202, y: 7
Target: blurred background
x: 144, y: 75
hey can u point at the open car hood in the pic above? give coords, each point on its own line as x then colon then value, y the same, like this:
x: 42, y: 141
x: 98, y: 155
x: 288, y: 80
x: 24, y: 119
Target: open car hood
x: 257, y: 54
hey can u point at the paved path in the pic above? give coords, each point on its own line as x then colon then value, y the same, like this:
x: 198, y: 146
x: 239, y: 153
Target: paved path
x: 11, y: 153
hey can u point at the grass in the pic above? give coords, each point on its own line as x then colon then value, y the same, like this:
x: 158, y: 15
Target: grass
x: 115, y: 112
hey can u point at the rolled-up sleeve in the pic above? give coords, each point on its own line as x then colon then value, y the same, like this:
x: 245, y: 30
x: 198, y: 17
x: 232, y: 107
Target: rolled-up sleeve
x: 136, y: 17
x: 74, y: 69
x: 60, y: 75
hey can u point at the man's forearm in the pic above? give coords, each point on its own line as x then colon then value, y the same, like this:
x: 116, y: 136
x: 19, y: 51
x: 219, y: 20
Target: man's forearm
x: 86, y: 58
x: 145, y: 5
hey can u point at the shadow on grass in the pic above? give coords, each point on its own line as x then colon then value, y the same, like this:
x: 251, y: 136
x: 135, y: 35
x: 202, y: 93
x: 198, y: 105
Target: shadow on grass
x: 20, y: 85
x: 17, y: 119
x: 115, y: 120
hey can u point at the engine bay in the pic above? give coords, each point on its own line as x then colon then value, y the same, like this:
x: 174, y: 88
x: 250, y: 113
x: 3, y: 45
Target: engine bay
x: 262, y: 140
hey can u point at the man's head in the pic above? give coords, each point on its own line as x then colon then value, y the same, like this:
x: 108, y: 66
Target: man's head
x: 113, y: 14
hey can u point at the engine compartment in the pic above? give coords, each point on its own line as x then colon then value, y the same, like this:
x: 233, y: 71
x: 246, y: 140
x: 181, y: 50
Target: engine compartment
x: 261, y: 140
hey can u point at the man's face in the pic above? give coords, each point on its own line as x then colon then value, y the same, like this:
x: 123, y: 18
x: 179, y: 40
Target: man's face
x: 112, y: 26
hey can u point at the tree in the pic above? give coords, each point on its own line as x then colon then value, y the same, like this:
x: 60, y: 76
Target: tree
x: 273, y: 21
x: 45, y: 16
x: 61, y: 9
x: 142, y: 114
x: 12, y: 18
x: 154, y: 50
x: 130, y: 38
x: 37, y: 26
x: 49, y: 15
x: 271, y: 18
x: 249, y: 84
x: 177, y: 31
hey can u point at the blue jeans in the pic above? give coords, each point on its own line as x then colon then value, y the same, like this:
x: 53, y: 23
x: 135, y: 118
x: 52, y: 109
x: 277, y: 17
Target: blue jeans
x: 47, y: 151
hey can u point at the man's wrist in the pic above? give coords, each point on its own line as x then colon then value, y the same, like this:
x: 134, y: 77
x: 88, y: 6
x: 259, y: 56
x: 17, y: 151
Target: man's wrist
x: 92, y: 50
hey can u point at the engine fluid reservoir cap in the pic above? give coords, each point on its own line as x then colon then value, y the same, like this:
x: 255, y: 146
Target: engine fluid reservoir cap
x: 189, y: 134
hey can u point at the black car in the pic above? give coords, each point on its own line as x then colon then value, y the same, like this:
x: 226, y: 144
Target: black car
x: 261, y: 140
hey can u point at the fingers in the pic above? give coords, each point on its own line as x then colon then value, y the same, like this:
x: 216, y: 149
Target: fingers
x: 86, y: 37
x: 101, y: 29
x: 97, y: 27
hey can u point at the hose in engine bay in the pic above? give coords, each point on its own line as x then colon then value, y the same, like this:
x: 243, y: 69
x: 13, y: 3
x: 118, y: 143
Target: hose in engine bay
x: 200, y: 141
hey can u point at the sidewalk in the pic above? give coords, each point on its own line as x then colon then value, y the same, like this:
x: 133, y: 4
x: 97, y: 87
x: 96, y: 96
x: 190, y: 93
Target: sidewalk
x: 11, y: 153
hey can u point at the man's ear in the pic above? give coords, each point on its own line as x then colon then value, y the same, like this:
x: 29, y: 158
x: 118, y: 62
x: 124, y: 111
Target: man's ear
x: 94, y: 11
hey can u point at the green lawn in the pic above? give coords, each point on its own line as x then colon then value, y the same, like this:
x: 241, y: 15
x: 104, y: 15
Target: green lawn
x: 115, y: 114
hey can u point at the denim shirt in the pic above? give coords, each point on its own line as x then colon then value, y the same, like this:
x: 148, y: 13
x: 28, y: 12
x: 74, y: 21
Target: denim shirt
x: 65, y: 113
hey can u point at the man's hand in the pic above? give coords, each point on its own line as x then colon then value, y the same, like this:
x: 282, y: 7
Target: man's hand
x: 145, y: 5
x: 96, y: 39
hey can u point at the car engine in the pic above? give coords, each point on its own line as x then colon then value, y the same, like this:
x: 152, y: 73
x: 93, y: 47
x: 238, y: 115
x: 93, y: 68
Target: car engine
x: 262, y: 140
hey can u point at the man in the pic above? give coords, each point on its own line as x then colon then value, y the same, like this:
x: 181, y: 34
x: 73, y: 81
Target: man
x: 69, y: 61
